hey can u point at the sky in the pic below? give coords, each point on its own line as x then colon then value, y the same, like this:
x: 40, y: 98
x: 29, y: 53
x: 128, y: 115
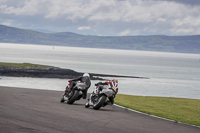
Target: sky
x: 104, y: 17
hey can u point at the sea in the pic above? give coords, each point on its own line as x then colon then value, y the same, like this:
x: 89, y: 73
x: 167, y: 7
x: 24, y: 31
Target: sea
x: 166, y: 74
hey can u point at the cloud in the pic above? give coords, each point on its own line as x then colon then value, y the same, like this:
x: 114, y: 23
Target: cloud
x: 84, y: 28
x: 76, y: 10
x: 3, y: 1
x: 188, y: 25
x: 91, y: 10
x: 27, y: 8
x: 125, y: 32
x: 114, y: 16
x: 182, y: 30
x: 187, y: 2
x: 7, y: 22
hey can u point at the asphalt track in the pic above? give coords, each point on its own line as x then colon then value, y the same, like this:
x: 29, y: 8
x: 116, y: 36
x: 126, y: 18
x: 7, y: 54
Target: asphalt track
x: 39, y: 111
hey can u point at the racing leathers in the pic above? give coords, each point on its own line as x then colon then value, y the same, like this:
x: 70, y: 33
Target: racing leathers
x: 110, y: 85
x: 83, y: 79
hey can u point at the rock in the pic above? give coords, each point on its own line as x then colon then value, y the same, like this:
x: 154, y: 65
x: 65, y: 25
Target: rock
x: 51, y: 72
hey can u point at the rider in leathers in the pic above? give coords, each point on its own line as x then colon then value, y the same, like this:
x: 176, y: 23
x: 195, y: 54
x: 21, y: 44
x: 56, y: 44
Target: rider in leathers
x: 113, y: 84
x: 84, y: 79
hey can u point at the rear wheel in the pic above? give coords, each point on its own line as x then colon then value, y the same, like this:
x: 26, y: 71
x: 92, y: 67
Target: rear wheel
x: 74, y: 97
x: 100, y: 102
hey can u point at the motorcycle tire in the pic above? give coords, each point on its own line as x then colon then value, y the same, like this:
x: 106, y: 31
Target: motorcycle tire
x: 87, y: 105
x: 62, y: 100
x: 79, y: 97
x: 74, y: 97
x: 99, y: 103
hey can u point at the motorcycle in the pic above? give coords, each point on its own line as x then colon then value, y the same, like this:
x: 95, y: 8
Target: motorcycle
x: 75, y: 93
x: 99, y: 96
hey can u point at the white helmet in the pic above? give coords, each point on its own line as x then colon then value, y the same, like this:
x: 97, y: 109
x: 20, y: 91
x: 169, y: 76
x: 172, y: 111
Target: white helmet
x: 86, y: 75
x: 115, y: 82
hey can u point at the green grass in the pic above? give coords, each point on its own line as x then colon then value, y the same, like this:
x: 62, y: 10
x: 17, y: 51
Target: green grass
x: 178, y: 109
x: 24, y: 65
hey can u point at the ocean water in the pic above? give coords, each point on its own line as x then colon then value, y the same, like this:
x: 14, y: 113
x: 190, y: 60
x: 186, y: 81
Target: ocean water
x: 170, y: 74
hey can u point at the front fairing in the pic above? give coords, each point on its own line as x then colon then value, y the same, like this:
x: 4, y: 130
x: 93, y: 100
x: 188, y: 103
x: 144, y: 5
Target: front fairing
x: 108, y: 92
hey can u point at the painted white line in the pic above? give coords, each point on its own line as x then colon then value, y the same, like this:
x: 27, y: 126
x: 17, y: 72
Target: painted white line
x: 155, y: 116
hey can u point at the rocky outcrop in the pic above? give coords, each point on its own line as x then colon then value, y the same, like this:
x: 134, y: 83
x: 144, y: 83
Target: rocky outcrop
x: 51, y: 72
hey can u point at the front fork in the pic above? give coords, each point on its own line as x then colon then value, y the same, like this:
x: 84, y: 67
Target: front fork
x: 90, y: 100
x: 93, y: 98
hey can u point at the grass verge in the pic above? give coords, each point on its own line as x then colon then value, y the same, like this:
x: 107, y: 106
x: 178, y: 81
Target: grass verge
x: 24, y: 65
x: 178, y: 109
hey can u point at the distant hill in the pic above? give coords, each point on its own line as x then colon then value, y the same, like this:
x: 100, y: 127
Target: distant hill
x: 181, y: 44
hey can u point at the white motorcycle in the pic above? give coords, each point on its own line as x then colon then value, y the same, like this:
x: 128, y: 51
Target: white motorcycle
x: 99, y: 96
x: 75, y: 94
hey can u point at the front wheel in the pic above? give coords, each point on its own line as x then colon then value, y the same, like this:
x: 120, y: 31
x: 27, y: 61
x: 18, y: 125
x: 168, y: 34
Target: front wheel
x: 62, y: 100
x: 74, y: 97
x: 100, y: 102
x: 87, y: 105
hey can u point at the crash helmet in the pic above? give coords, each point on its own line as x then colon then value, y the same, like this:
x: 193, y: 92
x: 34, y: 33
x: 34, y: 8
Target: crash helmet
x: 86, y: 75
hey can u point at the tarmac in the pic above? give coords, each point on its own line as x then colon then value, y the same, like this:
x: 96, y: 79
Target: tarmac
x: 24, y: 110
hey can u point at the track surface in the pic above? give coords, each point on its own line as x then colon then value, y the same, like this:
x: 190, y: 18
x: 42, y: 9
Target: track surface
x: 35, y: 111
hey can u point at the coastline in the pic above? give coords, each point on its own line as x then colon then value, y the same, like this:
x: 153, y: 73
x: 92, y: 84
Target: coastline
x: 42, y: 71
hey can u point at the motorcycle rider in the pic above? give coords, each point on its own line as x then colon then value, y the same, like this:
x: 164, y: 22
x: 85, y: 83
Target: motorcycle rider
x: 83, y: 79
x: 113, y: 84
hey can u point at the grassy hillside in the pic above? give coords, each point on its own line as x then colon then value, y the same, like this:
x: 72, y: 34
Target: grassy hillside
x: 178, y: 109
x: 185, y: 44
